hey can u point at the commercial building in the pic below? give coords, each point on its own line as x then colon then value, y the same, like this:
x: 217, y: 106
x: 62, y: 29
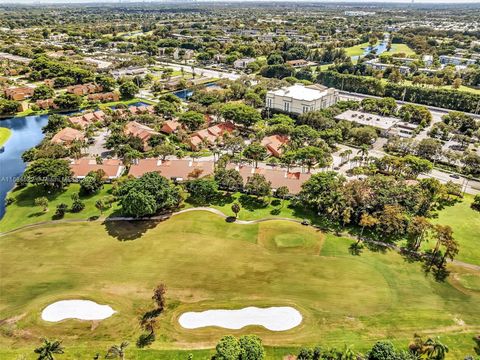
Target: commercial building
x: 299, y: 99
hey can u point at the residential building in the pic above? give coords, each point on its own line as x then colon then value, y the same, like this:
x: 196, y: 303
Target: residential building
x: 185, y: 54
x: 375, y: 64
x: 86, y: 119
x: 142, y: 109
x: 275, y: 144
x: 19, y: 93
x: 210, y: 135
x: 242, y: 63
x: 177, y: 170
x: 455, y: 60
x: 427, y: 60
x: 277, y: 177
x: 141, y: 131
x: 113, y: 168
x: 67, y: 136
x: 46, y: 104
x: 104, y: 97
x: 299, y: 99
x: 297, y: 63
x: 84, y: 89
x: 170, y: 126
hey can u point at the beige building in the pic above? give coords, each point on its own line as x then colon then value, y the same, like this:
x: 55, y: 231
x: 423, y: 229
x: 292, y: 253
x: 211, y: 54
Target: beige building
x: 299, y: 99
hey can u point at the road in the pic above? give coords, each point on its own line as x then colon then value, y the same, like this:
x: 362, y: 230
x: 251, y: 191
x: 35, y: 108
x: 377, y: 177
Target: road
x: 468, y: 186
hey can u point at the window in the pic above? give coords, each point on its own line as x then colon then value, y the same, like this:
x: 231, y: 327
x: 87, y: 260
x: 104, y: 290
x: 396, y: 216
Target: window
x: 286, y: 106
x: 306, y: 108
x: 269, y: 103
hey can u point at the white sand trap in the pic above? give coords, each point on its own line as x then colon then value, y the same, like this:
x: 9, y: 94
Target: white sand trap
x: 272, y: 318
x: 76, y: 309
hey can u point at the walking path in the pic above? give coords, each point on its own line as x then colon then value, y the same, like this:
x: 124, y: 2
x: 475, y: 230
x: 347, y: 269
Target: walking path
x: 221, y: 214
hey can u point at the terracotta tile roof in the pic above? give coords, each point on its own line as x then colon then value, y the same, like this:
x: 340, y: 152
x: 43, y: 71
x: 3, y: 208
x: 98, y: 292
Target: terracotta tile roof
x: 139, y: 130
x: 170, y: 126
x: 67, y: 135
x: 113, y: 168
x: 278, y: 177
x: 274, y: 144
x: 86, y: 119
x: 171, y: 169
x: 211, y: 133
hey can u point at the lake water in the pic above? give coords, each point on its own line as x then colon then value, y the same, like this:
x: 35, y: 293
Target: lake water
x: 26, y: 133
x: 379, y: 49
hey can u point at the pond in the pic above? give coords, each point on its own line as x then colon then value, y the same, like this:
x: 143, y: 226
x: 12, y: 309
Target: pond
x: 26, y: 133
x: 379, y: 49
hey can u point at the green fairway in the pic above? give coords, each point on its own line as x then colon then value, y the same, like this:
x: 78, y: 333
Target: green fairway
x: 400, y: 48
x: 4, y: 135
x: 465, y: 223
x: 356, y: 50
x: 208, y: 263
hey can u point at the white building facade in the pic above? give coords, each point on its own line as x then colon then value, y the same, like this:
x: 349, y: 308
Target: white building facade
x: 299, y: 99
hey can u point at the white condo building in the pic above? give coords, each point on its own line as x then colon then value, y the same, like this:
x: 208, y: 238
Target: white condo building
x: 299, y: 99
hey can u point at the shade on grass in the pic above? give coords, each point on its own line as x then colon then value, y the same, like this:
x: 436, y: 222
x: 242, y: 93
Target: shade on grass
x: 209, y: 263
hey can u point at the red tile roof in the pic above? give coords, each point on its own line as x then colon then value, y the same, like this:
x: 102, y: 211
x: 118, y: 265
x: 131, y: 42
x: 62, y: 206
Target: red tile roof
x: 274, y: 144
x: 170, y: 126
x: 171, y: 169
x: 113, y: 168
x: 67, y: 136
x: 278, y: 177
x: 139, y: 130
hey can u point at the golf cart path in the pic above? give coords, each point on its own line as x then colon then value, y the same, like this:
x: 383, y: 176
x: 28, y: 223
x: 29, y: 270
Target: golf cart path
x: 221, y: 214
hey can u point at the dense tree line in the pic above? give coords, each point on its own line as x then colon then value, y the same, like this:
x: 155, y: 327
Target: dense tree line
x: 450, y: 99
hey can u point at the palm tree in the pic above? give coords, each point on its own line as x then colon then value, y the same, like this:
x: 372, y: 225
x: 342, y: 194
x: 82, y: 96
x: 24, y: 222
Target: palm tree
x: 348, y: 354
x: 363, y: 151
x: 435, y: 350
x: 117, y: 351
x: 48, y: 349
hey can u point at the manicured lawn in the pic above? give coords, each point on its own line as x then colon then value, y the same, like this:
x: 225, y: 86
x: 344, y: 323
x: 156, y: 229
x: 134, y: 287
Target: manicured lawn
x: 4, y: 135
x: 356, y: 50
x: 465, y: 223
x: 206, y: 263
x: 23, y: 210
x: 400, y: 48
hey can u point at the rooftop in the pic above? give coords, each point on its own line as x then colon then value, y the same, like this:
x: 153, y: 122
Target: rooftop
x: 362, y: 118
x: 301, y: 92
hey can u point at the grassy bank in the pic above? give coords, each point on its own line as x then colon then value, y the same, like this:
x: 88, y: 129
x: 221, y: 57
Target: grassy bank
x: 4, y: 135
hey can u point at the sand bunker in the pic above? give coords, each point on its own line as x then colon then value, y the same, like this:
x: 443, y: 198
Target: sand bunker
x: 76, y: 309
x: 272, y: 318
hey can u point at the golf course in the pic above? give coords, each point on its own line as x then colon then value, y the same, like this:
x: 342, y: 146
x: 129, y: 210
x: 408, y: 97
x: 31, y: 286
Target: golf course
x: 207, y: 263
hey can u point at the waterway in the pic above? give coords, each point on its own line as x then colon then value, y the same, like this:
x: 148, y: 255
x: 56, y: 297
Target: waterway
x: 26, y: 133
